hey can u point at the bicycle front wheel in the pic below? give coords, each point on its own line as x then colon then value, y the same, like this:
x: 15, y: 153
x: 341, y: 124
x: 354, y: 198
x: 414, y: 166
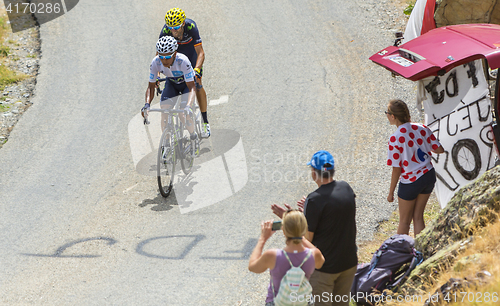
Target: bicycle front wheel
x: 165, y: 165
x: 187, y: 147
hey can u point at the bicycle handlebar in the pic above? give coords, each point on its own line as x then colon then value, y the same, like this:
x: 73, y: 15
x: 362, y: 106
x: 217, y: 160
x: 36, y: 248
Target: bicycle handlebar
x: 174, y: 111
x: 161, y: 110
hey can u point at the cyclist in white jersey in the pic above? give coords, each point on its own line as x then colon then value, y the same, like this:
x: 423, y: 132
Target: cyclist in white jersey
x: 180, y: 80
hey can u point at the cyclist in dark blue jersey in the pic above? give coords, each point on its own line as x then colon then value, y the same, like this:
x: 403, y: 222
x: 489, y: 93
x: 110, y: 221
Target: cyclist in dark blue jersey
x: 188, y: 39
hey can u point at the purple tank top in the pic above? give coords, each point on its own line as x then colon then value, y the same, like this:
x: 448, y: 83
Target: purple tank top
x: 282, y: 266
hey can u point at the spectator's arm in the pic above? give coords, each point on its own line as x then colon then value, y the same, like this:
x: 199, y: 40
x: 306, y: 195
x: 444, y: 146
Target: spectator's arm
x: 280, y: 210
x: 319, y: 260
x: 259, y: 262
x: 396, y: 172
x: 439, y: 150
x: 301, y: 203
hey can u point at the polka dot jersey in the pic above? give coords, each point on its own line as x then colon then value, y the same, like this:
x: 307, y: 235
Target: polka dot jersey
x: 410, y: 149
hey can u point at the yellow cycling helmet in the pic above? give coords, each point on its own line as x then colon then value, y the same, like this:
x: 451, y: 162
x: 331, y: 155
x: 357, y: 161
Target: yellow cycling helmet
x: 174, y: 17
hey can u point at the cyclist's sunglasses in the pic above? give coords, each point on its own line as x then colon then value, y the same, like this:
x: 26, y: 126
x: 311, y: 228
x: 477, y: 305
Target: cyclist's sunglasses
x: 166, y: 56
x: 175, y: 28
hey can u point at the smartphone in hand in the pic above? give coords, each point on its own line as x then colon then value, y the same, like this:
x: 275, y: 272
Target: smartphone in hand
x: 276, y: 225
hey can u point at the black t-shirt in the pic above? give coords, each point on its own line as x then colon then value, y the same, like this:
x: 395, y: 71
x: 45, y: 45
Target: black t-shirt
x: 330, y: 211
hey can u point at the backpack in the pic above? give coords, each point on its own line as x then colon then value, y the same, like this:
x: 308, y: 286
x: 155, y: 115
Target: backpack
x: 294, y: 287
x: 388, y: 269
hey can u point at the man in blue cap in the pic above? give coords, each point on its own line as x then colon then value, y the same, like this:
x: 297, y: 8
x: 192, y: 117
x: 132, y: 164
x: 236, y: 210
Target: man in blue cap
x: 330, y: 211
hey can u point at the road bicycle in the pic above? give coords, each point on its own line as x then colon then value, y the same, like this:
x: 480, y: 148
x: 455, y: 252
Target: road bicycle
x: 175, y: 145
x: 197, y: 113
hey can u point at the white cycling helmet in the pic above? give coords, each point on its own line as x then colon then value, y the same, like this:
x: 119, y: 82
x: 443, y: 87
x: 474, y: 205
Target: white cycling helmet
x: 166, y: 44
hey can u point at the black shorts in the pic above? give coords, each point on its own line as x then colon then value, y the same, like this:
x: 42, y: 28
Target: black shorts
x: 424, y: 185
x: 170, y: 93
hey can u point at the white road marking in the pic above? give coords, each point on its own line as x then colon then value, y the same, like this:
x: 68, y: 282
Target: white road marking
x: 64, y: 6
x: 221, y: 100
x: 129, y: 188
x: 202, y: 190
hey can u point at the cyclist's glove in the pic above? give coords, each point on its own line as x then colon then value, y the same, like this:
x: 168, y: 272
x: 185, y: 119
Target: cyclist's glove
x: 197, y: 72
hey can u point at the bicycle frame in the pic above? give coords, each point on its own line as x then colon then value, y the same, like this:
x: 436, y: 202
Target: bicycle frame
x: 174, y: 145
x: 194, y: 108
x: 175, y: 129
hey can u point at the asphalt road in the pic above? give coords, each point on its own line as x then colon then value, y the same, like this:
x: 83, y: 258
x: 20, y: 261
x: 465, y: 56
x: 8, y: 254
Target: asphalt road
x: 79, y: 224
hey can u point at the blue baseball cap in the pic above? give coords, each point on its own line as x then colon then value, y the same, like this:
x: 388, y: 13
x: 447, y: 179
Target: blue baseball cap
x: 321, y: 158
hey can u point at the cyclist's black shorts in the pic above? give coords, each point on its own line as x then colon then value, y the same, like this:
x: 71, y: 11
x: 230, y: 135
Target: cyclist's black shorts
x: 172, y: 91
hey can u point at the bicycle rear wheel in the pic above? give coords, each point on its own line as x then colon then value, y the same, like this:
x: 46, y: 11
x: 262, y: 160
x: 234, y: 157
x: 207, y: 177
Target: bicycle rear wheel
x: 198, y: 120
x: 165, y: 165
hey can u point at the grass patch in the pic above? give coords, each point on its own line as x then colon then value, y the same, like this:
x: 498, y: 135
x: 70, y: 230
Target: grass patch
x: 407, y: 11
x: 4, y: 108
x: 3, y: 27
x: 4, y: 51
x: 8, y: 76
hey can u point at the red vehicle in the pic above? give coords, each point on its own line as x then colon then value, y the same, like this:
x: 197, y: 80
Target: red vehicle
x: 440, y: 50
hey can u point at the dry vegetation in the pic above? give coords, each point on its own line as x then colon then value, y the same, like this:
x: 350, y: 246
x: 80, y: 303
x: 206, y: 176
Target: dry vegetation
x: 473, y: 275
x: 7, y: 76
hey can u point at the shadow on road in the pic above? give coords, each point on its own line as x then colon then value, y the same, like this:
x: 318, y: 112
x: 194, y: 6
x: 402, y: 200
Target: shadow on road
x: 160, y: 203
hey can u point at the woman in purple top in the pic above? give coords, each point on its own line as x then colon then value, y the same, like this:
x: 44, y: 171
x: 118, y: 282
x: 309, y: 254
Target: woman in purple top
x: 297, y: 248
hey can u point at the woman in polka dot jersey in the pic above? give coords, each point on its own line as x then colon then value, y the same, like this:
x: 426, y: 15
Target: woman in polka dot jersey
x: 409, y: 154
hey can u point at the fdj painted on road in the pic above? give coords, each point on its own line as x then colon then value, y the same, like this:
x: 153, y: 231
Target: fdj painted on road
x: 149, y: 248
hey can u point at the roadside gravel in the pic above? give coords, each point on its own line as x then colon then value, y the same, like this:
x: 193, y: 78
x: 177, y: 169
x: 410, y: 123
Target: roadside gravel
x: 24, y: 54
x: 364, y: 167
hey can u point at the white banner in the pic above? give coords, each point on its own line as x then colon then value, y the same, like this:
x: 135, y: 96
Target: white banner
x: 458, y: 110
